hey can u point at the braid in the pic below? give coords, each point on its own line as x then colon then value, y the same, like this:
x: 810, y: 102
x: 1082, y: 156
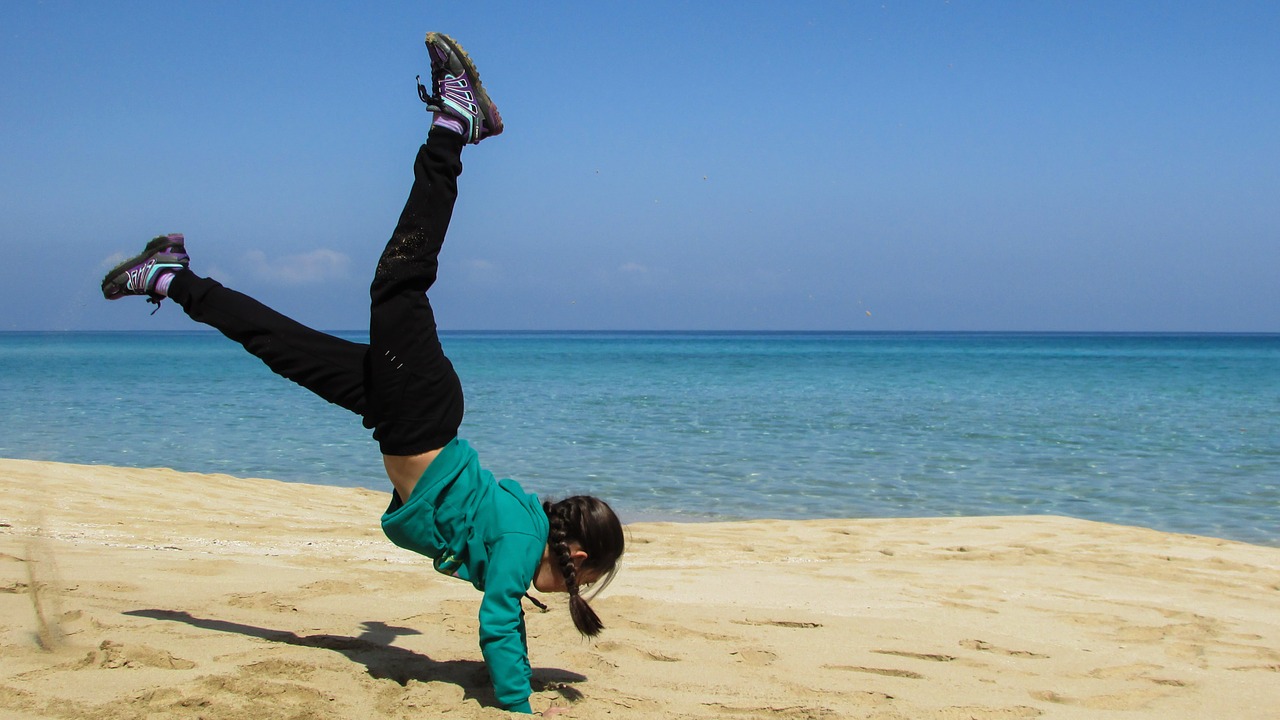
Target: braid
x: 564, y: 516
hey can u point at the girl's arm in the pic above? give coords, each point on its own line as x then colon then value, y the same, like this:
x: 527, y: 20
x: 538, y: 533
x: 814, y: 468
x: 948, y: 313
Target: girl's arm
x: 512, y: 561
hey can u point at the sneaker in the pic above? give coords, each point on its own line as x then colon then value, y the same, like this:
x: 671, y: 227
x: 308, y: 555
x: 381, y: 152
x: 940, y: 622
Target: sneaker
x: 456, y: 90
x: 138, y: 274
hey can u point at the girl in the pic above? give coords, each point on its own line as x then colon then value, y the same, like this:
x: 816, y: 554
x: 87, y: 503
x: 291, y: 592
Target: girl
x: 444, y: 505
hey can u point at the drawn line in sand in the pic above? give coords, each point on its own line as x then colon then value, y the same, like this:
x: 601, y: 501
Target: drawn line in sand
x: 986, y: 713
x: 932, y: 657
x: 988, y: 647
x: 779, y: 623
x: 890, y: 672
x: 798, y: 711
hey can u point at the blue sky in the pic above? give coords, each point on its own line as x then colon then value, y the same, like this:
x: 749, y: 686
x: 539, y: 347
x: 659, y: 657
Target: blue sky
x: 879, y: 165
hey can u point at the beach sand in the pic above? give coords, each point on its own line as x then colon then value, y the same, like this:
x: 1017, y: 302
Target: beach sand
x: 158, y: 594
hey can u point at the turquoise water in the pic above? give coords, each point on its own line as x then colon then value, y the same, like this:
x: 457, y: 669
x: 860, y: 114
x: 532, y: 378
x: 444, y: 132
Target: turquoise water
x: 1174, y: 432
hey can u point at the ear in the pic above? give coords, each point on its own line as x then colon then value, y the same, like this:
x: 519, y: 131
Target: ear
x: 578, y: 557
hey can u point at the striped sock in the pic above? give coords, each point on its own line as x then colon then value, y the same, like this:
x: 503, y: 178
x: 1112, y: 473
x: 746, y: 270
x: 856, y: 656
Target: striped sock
x: 447, y: 121
x: 162, y: 284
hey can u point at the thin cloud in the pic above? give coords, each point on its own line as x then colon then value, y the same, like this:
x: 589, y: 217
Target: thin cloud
x: 473, y: 272
x: 483, y: 272
x: 309, y: 268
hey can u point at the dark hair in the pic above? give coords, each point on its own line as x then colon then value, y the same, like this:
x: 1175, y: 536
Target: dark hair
x: 590, y: 523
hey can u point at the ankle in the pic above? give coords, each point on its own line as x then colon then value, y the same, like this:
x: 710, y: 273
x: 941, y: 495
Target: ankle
x: 163, y: 282
x: 448, y: 122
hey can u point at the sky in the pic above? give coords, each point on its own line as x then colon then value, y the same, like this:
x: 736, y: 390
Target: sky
x: 877, y: 166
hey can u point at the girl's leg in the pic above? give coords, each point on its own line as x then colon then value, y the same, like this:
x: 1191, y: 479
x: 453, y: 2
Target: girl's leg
x: 330, y: 367
x: 401, y: 384
x: 415, y: 401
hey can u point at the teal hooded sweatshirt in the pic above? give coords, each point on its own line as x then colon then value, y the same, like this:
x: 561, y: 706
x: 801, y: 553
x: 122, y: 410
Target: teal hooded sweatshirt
x: 490, y: 533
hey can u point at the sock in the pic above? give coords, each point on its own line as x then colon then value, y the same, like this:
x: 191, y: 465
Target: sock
x: 449, y: 122
x: 162, y: 284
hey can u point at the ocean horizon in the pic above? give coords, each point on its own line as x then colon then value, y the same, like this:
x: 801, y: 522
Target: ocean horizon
x: 1175, y: 431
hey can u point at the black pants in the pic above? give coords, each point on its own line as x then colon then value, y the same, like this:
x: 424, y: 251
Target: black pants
x: 401, y: 383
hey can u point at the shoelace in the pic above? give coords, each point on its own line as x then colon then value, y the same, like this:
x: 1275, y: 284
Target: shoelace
x: 433, y: 100
x: 155, y: 301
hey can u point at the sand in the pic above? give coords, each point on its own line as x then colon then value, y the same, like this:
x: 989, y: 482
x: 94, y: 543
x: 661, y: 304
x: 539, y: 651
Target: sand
x: 157, y: 594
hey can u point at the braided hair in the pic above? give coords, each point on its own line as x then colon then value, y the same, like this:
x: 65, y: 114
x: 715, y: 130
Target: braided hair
x: 590, y: 523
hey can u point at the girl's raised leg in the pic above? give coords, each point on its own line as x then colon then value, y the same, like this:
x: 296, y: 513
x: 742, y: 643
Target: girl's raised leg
x: 415, y: 398
x: 328, y: 366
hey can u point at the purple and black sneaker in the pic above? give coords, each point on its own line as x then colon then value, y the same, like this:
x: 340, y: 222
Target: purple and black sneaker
x: 138, y: 275
x: 456, y: 90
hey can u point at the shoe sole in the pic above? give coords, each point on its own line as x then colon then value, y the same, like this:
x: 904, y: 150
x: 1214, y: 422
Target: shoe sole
x: 154, y: 247
x: 492, y: 118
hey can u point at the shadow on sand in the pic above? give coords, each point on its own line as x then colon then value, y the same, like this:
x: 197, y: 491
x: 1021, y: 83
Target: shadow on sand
x: 373, y: 649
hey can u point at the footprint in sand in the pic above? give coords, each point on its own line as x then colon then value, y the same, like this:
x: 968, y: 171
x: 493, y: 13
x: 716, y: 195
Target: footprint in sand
x: 1137, y: 671
x: 285, y: 698
x: 590, y: 660
x: 1125, y: 672
x: 757, y: 658
x: 1134, y: 700
x: 203, y: 567
x: 260, y: 601
x: 611, y: 646
x: 687, y: 632
x: 331, y: 587
x: 278, y: 668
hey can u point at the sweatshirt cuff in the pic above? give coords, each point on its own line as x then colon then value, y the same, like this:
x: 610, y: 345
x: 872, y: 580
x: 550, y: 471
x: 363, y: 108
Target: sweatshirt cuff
x: 521, y: 708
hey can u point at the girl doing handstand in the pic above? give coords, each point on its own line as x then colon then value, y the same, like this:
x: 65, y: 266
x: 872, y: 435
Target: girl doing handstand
x: 444, y: 505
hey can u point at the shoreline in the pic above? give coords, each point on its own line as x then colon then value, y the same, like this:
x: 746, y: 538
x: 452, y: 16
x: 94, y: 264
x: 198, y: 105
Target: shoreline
x: 170, y: 594
x: 656, y: 516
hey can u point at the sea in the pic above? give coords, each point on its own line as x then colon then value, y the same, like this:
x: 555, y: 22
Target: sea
x: 1177, y: 432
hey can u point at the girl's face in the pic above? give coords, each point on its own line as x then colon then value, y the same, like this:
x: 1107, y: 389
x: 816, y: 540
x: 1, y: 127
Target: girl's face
x: 548, y: 578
